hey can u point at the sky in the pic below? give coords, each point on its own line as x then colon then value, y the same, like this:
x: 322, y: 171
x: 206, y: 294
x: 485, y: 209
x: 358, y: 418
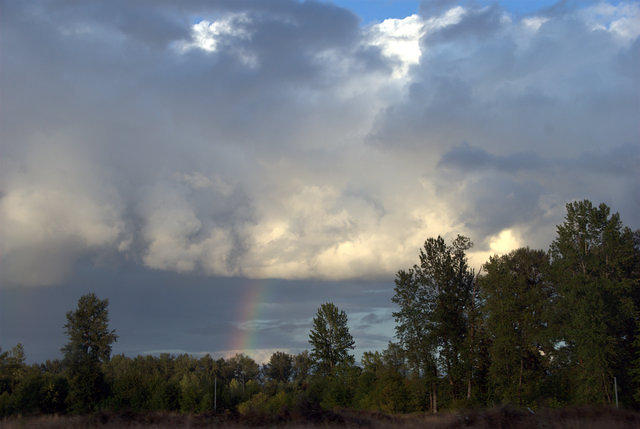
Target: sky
x: 218, y: 169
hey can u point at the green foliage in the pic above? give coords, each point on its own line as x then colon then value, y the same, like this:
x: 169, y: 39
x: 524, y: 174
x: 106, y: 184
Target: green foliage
x: 330, y: 338
x: 89, y: 345
x: 30, y: 389
x: 6, y: 404
x: 88, y: 330
x: 340, y: 386
x: 28, y: 394
x: 12, y: 367
x: 191, y: 392
x: 301, y: 369
x: 279, y: 367
x: 383, y: 385
x: 434, y: 320
x: 262, y: 405
x: 128, y: 384
x: 88, y: 387
x: 518, y: 298
x: 54, y: 394
x: 595, y: 268
x: 166, y: 396
x: 244, y: 368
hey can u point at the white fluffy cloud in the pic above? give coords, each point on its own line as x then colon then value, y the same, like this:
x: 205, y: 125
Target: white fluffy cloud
x: 246, y: 140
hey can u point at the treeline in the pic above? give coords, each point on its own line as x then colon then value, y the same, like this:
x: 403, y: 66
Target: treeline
x: 533, y: 329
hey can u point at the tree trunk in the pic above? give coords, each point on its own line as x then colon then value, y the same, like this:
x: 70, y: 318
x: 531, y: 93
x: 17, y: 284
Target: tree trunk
x: 472, y: 342
x: 606, y: 388
x: 520, y: 382
x: 435, y: 398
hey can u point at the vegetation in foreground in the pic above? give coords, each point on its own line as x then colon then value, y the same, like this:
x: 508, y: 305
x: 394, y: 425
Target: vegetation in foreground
x: 536, y: 330
x: 501, y: 417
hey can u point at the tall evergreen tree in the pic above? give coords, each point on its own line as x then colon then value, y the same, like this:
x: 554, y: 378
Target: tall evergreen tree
x: 330, y: 338
x: 594, y: 260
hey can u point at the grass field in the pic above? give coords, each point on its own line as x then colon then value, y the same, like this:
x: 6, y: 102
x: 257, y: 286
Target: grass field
x: 505, y: 417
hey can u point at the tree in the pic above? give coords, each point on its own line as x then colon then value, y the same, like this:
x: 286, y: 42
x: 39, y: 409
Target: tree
x: 12, y: 372
x: 244, y: 368
x: 89, y: 345
x: 435, y: 300
x: 413, y: 329
x: 88, y: 330
x: 330, y: 338
x: 279, y: 367
x: 12, y: 365
x: 594, y: 258
x: 302, y: 364
x: 383, y: 384
x: 518, y: 295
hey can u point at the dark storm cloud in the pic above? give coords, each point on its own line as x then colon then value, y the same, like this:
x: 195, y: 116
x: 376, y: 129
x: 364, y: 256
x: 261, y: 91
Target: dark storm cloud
x: 621, y: 160
x: 465, y: 157
x: 144, y: 109
x: 151, y: 149
x: 373, y: 319
x: 155, y: 311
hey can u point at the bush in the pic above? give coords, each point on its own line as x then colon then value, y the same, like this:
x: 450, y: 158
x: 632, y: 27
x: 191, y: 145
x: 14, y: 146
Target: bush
x: 264, y: 405
x: 29, y: 394
x: 166, y: 396
x: 6, y: 406
x: 54, y: 395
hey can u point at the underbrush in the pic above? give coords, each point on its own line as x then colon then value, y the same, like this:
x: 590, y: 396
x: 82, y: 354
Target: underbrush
x: 306, y: 415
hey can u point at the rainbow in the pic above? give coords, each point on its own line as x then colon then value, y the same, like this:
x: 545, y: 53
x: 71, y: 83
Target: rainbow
x: 249, y: 311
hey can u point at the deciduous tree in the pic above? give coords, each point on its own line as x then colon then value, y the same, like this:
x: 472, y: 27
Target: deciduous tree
x: 330, y: 338
x: 279, y: 367
x: 89, y: 345
x: 432, y: 324
x: 518, y: 296
x: 594, y: 261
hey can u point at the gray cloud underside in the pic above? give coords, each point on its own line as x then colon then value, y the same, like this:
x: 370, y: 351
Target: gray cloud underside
x: 275, y: 140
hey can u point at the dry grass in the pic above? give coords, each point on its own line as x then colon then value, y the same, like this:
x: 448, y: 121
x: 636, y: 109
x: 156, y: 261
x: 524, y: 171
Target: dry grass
x: 570, y: 418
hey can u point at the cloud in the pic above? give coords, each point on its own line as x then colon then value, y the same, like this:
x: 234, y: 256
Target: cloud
x: 399, y: 39
x: 200, y: 227
x: 287, y: 141
x: 373, y: 319
x: 261, y: 356
x: 53, y: 210
x: 544, y: 103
